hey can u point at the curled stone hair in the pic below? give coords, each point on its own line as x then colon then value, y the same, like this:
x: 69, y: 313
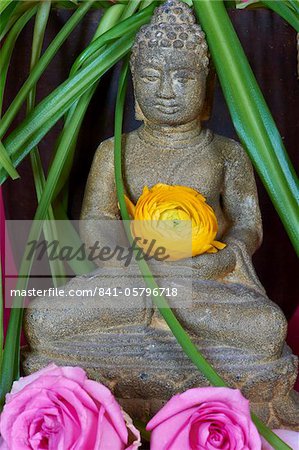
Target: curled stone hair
x: 173, y: 25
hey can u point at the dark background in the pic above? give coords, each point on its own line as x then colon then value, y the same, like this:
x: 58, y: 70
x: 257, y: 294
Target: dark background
x: 270, y: 45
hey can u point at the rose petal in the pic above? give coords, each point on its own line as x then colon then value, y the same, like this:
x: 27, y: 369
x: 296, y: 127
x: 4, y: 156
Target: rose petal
x: 3, y: 445
x: 105, y: 397
x: 134, y: 431
x: 24, y: 381
x: 174, y: 431
x: 109, y: 438
x: 230, y: 397
x: 224, y: 407
x: 73, y: 373
x: 58, y: 408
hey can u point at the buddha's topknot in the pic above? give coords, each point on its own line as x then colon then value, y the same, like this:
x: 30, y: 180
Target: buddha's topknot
x: 173, y: 25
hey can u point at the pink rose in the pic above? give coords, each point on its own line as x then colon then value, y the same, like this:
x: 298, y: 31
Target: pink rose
x: 58, y: 408
x: 289, y: 437
x: 205, y: 418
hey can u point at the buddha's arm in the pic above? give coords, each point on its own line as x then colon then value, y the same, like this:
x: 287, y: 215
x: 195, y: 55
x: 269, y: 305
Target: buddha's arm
x: 240, y: 201
x: 240, y: 206
x: 100, y: 199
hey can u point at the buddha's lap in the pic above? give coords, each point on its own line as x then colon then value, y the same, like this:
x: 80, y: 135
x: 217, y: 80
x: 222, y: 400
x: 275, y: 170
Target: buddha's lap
x: 213, y: 310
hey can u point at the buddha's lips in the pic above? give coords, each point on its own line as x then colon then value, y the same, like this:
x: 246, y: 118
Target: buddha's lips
x: 168, y: 109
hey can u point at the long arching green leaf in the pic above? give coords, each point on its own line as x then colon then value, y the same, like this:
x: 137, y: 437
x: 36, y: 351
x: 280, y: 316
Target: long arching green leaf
x: 286, y: 12
x: 42, y: 64
x: 250, y: 114
x: 5, y: 4
x: 6, y: 163
x: 20, y: 9
x: 5, y: 56
x: 108, y: 21
x: 50, y: 232
x: 287, y: 9
x: 8, y: 47
x: 294, y: 4
x: 6, y: 15
x: 127, y: 26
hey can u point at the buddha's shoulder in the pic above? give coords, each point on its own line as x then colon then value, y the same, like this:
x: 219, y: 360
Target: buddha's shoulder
x: 106, y: 147
x: 229, y: 149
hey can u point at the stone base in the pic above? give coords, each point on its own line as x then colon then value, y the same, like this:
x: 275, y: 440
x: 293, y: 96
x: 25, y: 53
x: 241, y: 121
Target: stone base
x: 144, y: 367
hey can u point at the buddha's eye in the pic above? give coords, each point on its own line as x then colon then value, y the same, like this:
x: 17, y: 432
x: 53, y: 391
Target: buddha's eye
x: 183, y: 80
x: 150, y: 77
x: 184, y: 77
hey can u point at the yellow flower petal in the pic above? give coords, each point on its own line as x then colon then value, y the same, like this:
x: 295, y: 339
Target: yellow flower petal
x: 177, y: 218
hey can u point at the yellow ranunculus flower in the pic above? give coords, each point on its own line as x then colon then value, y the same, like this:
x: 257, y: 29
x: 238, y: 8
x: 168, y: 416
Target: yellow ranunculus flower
x: 177, y: 218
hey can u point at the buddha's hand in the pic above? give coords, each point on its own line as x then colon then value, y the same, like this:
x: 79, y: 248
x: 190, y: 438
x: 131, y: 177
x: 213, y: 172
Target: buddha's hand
x: 211, y: 265
x: 206, y: 266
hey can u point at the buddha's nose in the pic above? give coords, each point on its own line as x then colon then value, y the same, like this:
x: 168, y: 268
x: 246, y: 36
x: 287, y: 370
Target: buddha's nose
x: 166, y: 89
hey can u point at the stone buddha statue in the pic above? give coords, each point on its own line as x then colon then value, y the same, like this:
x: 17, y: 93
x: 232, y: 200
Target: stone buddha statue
x: 230, y: 318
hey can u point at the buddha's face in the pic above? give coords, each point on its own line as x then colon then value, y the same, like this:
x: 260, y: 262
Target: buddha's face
x: 169, y: 85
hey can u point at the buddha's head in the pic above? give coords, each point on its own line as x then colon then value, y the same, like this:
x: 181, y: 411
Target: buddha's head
x: 169, y: 64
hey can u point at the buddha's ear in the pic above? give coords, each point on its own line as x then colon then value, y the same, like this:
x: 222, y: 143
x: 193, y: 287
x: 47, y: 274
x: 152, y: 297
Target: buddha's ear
x: 209, y: 99
x: 138, y: 113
